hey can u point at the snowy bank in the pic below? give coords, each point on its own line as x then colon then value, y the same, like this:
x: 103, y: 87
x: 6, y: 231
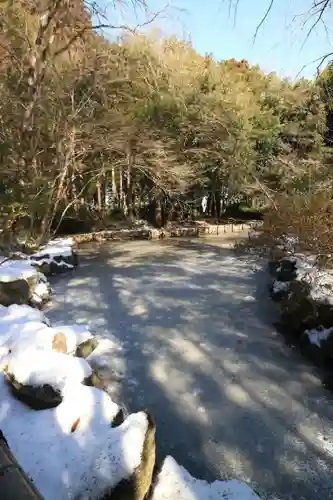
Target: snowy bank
x: 71, y: 449
x: 22, y: 277
x: 175, y: 482
x: 304, y: 292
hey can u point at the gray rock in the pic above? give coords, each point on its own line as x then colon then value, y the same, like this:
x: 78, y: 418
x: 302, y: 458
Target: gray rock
x: 84, y: 349
x: 37, y: 398
x: 16, y: 292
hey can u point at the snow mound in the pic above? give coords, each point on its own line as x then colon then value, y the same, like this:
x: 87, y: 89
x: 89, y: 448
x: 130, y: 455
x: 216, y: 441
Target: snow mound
x: 56, y: 248
x: 20, y: 314
x: 91, y: 408
x: 22, y: 327
x: 27, y: 335
x: 72, y: 450
x: 36, y: 367
x: 175, y: 482
x: 81, y: 464
x: 14, y: 270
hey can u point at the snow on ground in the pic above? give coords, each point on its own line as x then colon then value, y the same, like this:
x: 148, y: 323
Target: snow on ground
x: 70, y: 451
x: 175, y: 482
x: 13, y: 270
x: 26, y: 335
x: 59, y: 247
x: 81, y: 464
x: 20, y: 314
x: 37, y: 367
x: 316, y: 336
x: 320, y: 280
x: 56, y: 247
x: 22, y: 327
x: 93, y: 407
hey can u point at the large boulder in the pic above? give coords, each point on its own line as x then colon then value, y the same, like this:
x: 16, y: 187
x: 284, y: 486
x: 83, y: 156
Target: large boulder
x: 15, y: 292
x: 21, y: 283
x: 20, y: 336
x: 84, y: 408
x: 21, y: 314
x: 41, y: 292
x: 308, y: 302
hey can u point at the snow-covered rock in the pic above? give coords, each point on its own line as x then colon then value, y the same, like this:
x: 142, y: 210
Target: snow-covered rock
x: 55, y: 257
x: 72, y: 451
x: 37, y: 367
x: 20, y: 314
x: 39, y: 378
x: 22, y: 283
x: 37, y: 335
x: 71, y: 448
x: 175, y: 482
x: 75, y: 335
x: 14, y: 270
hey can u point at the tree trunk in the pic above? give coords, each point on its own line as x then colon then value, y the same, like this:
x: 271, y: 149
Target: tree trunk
x: 113, y: 187
x: 158, y: 212
x: 55, y: 201
x: 129, y: 190
x: 120, y: 189
x: 99, y: 195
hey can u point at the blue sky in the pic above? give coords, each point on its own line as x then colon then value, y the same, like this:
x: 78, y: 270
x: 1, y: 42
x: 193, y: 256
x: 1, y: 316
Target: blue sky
x: 280, y: 46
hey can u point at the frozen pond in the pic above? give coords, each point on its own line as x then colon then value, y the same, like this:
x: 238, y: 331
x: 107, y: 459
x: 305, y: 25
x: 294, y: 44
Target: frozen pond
x: 193, y: 326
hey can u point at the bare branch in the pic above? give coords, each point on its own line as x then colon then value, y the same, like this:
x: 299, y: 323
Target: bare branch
x: 269, y: 8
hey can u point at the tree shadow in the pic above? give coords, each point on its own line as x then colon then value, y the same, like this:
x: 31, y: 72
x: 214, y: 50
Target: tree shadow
x: 200, y: 350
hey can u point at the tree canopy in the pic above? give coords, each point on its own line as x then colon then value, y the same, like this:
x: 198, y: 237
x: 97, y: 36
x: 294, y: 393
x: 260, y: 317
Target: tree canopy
x: 87, y: 121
